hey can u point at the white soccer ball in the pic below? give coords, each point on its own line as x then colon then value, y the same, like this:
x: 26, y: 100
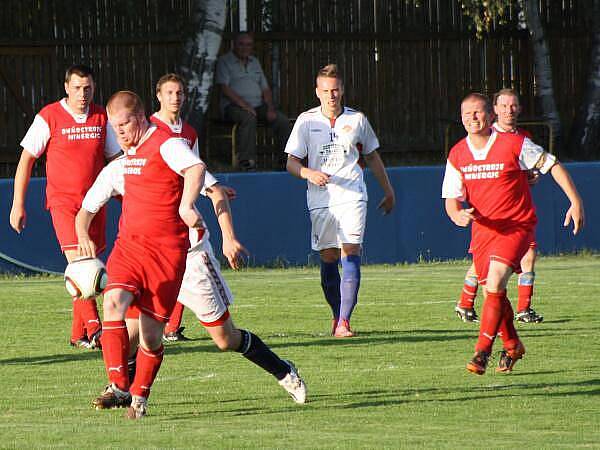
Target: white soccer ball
x: 85, y: 277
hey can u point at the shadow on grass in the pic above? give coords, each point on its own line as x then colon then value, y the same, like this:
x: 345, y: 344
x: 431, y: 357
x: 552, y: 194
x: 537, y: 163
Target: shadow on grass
x: 385, y: 398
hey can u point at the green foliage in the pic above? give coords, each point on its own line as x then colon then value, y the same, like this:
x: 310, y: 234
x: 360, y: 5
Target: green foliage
x: 484, y: 13
x: 401, y: 383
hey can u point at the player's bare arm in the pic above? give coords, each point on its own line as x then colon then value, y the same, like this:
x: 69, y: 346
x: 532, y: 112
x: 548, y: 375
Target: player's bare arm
x: 193, y: 180
x: 83, y: 220
x: 575, y: 213
x: 295, y: 167
x: 18, y: 215
x: 459, y: 215
x: 233, y: 250
x: 375, y: 163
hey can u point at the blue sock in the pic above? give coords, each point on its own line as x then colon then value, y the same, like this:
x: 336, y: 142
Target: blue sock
x: 330, y: 282
x: 349, y: 285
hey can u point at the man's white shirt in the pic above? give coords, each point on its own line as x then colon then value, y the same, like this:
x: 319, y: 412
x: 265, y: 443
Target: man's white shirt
x: 334, y: 151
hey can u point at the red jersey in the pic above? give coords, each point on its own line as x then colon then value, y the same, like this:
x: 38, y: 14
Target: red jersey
x: 154, y: 188
x: 495, y: 181
x: 76, y: 148
x: 518, y: 131
x: 182, y: 129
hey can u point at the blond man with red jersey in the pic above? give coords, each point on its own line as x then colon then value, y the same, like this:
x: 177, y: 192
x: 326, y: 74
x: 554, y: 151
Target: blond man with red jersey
x: 488, y: 170
x: 507, y: 109
x: 163, y: 178
x: 74, y: 135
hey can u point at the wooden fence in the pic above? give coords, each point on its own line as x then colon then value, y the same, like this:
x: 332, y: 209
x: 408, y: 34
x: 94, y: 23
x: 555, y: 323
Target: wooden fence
x: 406, y: 67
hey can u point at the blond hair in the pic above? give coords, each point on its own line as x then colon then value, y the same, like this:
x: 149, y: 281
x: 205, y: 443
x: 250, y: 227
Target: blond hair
x: 125, y: 100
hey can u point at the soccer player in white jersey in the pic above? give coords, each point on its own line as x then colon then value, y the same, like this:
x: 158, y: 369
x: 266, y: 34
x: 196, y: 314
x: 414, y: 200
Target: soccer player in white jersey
x: 332, y: 137
x: 75, y: 136
x: 507, y: 109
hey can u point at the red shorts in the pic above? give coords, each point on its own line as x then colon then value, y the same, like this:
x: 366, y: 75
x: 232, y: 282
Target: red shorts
x: 152, y: 274
x: 507, y: 247
x: 63, y: 219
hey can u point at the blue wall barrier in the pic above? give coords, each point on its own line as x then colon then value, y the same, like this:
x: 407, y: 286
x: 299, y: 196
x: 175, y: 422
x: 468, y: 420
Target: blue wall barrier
x: 271, y: 220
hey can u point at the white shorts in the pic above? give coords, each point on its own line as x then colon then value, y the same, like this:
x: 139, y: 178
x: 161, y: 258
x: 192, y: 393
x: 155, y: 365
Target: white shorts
x: 337, y: 225
x: 203, y: 289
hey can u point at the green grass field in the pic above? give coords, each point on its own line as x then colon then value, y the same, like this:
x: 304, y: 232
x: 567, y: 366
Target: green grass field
x: 401, y: 383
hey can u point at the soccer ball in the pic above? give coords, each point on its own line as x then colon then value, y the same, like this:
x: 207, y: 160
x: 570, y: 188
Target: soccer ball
x: 85, y: 277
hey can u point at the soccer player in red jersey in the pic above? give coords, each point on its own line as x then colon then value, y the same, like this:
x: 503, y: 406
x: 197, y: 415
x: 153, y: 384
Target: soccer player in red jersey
x: 507, y: 109
x: 488, y: 170
x: 163, y: 178
x: 75, y: 136
x: 203, y: 290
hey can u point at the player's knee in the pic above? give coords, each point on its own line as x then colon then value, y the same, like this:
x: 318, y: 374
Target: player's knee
x: 226, y: 342
x: 526, y: 278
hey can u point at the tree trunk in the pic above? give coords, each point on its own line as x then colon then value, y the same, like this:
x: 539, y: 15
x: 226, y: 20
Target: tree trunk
x: 200, y: 55
x: 543, y: 71
x: 584, y: 142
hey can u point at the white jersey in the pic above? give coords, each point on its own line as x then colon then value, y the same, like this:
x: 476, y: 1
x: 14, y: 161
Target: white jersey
x: 333, y: 146
x: 111, y: 183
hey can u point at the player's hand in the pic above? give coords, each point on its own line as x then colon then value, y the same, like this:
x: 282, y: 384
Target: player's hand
x: 18, y: 218
x: 387, y: 203
x: 576, y: 214
x: 464, y: 217
x: 533, y: 176
x: 234, y: 251
x: 249, y: 109
x: 190, y: 216
x: 86, y: 247
x: 318, y: 178
x: 271, y: 114
x: 229, y: 192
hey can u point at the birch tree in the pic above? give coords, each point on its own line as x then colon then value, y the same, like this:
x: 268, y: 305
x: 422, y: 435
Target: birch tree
x: 200, y: 55
x: 584, y: 142
x: 485, y: 13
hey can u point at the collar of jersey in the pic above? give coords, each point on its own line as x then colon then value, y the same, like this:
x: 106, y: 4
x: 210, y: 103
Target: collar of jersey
x: 78, y: 118
x: 481, y: 154
x: 147, y: 134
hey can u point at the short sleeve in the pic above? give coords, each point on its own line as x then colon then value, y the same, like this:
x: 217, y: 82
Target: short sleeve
x: 109, y: 183
x: 452, y: 186
x: 209, y: 180
x: 264, y: 84
x: 37, y: 137
x: 297, y: 145
x: 222, y: 75
x: 532, y: 156
x: 111, y: 145
x: 369, y: 140
x: 178, y: 155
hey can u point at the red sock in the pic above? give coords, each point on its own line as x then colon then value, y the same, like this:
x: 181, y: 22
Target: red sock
x: 175, y: 320
x: 89, y: 316
x: 507, y: 331
x: 77, y: 325
x: 115, y: 349
x: 491, y: 316
x: 147, y: 364
x: 469, y: 292
x: 525, y: 293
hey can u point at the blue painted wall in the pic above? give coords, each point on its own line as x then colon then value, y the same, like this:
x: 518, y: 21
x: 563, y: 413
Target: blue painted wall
x: 272, y: 221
